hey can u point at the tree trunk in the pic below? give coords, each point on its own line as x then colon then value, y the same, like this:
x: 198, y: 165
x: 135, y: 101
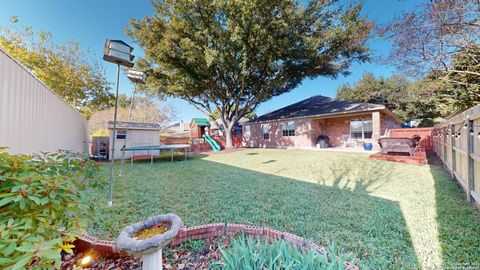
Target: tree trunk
x: 228, y: 137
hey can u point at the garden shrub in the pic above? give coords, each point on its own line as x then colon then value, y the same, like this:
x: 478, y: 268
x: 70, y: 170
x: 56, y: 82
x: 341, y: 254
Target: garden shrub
x: 256, y: 254
x: 42, y: 207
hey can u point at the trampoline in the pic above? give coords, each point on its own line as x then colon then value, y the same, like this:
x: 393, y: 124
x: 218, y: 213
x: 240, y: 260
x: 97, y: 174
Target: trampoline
x: 152, y: 149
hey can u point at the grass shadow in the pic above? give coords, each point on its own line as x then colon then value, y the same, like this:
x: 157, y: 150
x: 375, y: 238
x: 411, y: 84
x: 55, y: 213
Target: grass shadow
x: 458, y: 230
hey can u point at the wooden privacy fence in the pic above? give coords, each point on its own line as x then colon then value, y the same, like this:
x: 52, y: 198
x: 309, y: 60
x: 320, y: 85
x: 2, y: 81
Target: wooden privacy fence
x: 457, y: 143
x: 164, y: 140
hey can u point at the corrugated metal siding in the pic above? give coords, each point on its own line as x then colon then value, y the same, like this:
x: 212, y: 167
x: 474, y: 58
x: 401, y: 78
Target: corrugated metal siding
x: 32, y: 117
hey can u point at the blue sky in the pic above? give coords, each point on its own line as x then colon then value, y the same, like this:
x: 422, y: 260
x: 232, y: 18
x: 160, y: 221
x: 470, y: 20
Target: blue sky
x: 92, y: 21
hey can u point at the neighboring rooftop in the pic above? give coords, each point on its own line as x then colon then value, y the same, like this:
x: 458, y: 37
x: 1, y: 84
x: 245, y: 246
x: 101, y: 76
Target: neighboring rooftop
x: 134, y: 125
x: 318, y: 106
x: 179, y: 127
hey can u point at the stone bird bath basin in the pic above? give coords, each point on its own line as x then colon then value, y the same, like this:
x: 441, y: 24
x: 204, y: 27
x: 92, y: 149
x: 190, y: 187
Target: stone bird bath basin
x: 147, y: 238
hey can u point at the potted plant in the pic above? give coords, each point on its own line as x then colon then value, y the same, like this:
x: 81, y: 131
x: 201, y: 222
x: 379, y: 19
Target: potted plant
x: 368, y: 145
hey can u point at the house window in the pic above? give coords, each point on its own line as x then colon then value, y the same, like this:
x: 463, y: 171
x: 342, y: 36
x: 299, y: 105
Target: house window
x: 361, y: 129
x: 288, y: 128
x: 247, y: 131
x: 266, y: 131
x: 121, y: 134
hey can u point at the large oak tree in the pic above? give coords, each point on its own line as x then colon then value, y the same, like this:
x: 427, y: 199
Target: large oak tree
x: 232, y: 55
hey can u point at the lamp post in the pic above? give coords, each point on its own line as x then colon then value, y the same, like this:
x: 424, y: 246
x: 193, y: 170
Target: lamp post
x: 117, y: 52
x: 137, y: 77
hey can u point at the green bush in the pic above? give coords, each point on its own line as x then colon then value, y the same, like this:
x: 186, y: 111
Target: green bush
x: 42, y: 207
x: 255, y: 254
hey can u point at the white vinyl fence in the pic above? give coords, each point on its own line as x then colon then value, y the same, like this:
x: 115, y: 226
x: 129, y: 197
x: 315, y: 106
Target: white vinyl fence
x: 32, y: 117
x: 457, y: 143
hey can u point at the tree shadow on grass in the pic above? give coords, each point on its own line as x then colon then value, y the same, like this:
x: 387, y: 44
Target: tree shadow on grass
x: 208, y: 192
x: 458, y: 221
x: 370, y: 177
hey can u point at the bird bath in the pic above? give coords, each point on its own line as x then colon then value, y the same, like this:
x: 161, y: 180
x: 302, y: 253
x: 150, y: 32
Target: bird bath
x: 147, y: 238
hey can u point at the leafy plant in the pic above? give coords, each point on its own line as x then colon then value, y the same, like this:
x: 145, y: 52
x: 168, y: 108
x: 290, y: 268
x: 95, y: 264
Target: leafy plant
x: 194, y: 245
x: 250, y: 253
x: 42, y: 207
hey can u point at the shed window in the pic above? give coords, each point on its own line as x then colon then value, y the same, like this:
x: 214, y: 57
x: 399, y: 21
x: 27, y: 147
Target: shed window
x: 361, y: 129
x: 266, y: 131
x: 288, y: 128
x: 121, y: 134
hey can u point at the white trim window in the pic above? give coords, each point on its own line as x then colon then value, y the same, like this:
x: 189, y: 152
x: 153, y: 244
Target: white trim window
x: 288, y: 128
x: 121, y: 134
x: 361, y: 129
x: 266, y: 131
x: 247, y: 132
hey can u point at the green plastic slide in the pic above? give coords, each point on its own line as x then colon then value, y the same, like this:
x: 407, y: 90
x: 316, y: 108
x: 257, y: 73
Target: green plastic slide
x: 212, y: 143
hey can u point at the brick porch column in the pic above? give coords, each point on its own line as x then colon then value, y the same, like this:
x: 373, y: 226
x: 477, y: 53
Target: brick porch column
x: 376, y: 130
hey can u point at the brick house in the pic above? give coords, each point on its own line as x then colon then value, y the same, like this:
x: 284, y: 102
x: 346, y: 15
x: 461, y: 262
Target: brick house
x: 299, y: 125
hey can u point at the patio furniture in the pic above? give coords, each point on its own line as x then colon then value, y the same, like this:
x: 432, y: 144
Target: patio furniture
x: 348, y: 142
x: 398, y: 145
x: 416, y: 138
x: 323, y: 141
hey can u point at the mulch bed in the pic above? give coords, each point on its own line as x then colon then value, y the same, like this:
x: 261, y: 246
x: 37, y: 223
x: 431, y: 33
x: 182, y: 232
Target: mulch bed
x: 194, y: 254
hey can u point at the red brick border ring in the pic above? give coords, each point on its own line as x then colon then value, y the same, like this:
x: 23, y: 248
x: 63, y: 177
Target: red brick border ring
x: 107, y: 248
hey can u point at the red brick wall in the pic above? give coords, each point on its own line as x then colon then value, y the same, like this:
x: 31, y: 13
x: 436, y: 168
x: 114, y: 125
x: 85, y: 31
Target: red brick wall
x: 426, y: 140
x: 307, y: 131
x: 304, y: 135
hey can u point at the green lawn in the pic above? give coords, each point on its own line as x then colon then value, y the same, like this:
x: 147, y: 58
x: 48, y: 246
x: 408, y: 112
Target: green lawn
x: 389, y: 215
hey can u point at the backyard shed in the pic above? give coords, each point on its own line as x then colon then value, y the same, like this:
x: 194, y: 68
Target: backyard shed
x: 133, y: 134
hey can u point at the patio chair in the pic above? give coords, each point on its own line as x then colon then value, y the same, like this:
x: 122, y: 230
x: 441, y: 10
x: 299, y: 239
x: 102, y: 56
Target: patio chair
x: 398, y: 145
x: 416, y: 138
x: 348, y: 142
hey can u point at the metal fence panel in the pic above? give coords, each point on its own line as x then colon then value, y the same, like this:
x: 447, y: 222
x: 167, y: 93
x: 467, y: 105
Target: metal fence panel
x: 32, y: 117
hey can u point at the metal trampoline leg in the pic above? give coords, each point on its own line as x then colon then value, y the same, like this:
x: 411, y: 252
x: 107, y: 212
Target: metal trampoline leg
x: 171, y: 155
x: 121, y: 164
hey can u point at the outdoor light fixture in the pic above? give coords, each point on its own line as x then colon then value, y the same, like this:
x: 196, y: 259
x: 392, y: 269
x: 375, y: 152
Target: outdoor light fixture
x: 117, y: 52
x: 86, y: 261
x: 137, y: 77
